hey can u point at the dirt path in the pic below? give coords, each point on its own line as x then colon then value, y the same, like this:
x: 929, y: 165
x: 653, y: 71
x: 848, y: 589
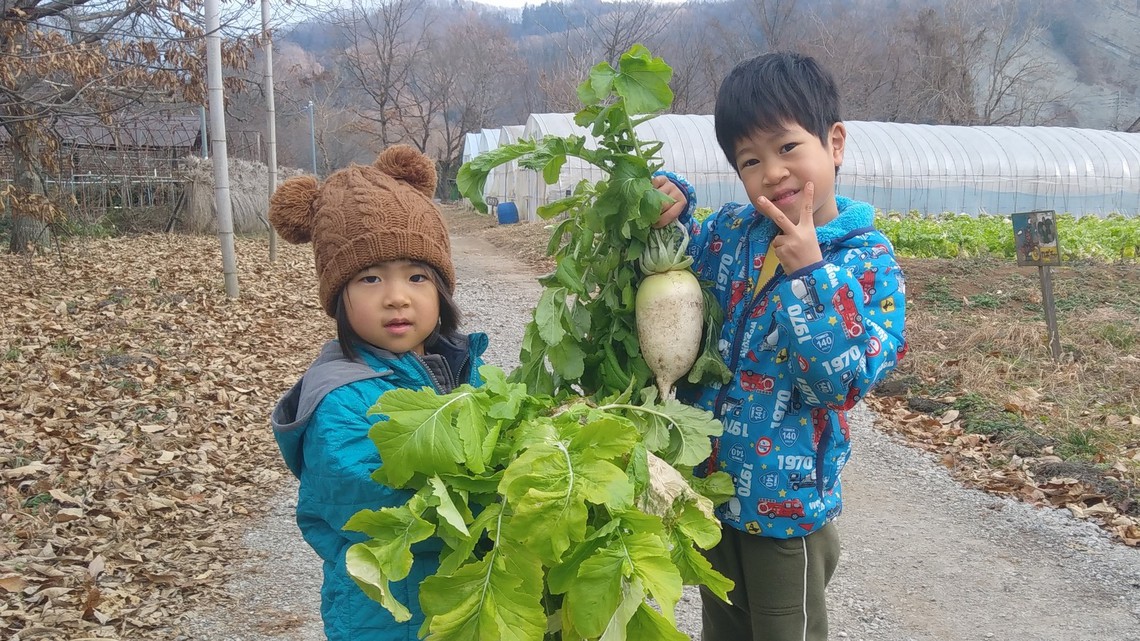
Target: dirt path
x: 923, y: 558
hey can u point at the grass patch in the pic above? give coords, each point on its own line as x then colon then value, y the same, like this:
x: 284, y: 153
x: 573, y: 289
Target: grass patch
x: 126, y: 384
x: 939, y: 295
x: 1116, y: 336
x: 42, y: 498
x: 1078, y: 443
x: 66, y: 346
x: 986, y: 301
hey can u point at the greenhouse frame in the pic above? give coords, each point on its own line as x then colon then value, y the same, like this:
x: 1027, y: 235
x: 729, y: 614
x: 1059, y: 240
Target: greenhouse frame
x: 897, y: 167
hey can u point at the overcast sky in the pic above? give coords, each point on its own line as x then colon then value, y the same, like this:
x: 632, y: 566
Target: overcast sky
x: 519, y: 3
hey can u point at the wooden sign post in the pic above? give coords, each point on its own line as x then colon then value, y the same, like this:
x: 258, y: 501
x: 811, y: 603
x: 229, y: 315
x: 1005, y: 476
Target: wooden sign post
x: 1036, y: 244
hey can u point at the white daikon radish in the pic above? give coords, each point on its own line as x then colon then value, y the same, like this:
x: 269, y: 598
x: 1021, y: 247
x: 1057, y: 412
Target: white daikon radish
x: 669, y: 308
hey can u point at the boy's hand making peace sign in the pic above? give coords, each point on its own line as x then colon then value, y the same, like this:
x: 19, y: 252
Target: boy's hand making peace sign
x: 796, y: 245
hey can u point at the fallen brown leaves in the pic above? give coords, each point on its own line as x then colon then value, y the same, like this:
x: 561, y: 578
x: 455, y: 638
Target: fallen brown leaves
x: 134, y: 438
x: 1044, y: 480
x: 1027, y: 425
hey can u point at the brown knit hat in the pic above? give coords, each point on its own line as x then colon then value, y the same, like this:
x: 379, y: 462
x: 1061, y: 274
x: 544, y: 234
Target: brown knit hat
x: 364, y: 215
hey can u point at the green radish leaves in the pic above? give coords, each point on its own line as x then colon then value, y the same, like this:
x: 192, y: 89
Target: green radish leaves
x: 555, y: 512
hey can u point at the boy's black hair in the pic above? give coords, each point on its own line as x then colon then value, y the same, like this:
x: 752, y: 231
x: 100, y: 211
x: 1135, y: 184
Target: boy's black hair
x: 449, y: 315
x: 765, y: 92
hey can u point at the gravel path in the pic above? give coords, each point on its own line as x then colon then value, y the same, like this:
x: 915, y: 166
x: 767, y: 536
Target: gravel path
x: 924, y: 559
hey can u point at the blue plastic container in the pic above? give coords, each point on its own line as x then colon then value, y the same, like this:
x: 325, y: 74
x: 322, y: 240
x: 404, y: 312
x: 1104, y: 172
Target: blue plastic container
x: 508, y: 213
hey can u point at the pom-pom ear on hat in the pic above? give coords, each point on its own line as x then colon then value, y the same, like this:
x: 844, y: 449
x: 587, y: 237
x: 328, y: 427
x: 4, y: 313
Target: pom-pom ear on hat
x: 403, y: 162
x: 291, y: 209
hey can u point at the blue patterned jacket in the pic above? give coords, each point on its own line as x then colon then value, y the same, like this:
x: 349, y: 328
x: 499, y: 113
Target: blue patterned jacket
x: 321, y: 426
x: 803, y: 350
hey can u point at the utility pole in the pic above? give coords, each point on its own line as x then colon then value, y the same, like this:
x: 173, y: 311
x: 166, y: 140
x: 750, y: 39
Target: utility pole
x: 271, y: 125
x: 218, y: 144
x: 313, y: 138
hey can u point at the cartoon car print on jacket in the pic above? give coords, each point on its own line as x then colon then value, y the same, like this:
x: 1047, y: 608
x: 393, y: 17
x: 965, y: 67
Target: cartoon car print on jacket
x: 731, y: 406
x: 738, y: 290
x: 760, y: 309
x: 752, y: 382
x: 844, y: 303
x: 819, y: 425
x: 789, y: 509
x: 804, y: 289
x: 797, y: 480
x: 867, y: 281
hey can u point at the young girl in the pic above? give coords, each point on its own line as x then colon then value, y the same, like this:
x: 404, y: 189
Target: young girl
x: 384, y: 267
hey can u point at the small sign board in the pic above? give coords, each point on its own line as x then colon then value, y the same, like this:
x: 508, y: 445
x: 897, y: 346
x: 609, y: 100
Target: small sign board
x: 1035, y: 238
x: 1035, y: 242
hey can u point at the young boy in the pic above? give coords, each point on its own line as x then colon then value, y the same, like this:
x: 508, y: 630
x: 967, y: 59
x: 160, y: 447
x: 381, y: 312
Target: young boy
x: 814, y: 312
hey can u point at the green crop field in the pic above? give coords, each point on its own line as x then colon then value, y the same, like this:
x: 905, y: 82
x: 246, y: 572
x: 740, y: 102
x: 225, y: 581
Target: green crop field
x: 1114, y: 238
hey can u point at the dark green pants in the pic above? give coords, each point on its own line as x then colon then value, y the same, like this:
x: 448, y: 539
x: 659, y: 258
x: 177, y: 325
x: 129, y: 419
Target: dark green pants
x: 780, y: 587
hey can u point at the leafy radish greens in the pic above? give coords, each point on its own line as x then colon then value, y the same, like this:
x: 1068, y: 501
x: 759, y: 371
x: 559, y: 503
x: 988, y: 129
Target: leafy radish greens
x: 551, y: 523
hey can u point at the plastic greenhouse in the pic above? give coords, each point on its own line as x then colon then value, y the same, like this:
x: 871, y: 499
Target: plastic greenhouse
x: 503, y: 181
x: 932, y: 169
x: 470, y: 146
x: 895, y: 166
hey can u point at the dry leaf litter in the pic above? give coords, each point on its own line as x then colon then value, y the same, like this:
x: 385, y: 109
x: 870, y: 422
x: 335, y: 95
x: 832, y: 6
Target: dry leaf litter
x: 133, y: 411
x: 133, y: 408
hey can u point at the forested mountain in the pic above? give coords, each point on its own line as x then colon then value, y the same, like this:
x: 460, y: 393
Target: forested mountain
x: 428, y: 71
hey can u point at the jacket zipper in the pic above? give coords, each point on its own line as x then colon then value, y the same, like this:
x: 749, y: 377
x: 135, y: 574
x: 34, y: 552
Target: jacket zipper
x: 720, y: 398
x: 427, y: 370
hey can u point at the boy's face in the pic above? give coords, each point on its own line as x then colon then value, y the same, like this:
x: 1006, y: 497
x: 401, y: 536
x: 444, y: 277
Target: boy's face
x: 393, y: 305
x: 777, y: 165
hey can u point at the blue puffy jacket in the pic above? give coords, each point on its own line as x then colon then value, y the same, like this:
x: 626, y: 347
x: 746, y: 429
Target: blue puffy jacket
x: 321, y: 426
x: 803, y: 350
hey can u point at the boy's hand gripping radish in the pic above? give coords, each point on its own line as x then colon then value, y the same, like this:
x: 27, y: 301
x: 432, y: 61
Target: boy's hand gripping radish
x: 669, y: 308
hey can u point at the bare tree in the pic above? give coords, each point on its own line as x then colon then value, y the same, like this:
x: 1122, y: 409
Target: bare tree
x: 556, y: 63
x: 623, y: 23
x: 1017, y: 85
x: 778, y: 23
x: 701, y: 50
x: 458, y: 88
x: 947, y: 46
x: 973, y: 63
x: 68, y: 58
x: 385, y: 39
x: 862, y: 54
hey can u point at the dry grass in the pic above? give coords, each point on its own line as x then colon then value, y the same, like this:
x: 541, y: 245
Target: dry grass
x: 249, y: 197
x: 1063, y: 432
x: 983, y: 331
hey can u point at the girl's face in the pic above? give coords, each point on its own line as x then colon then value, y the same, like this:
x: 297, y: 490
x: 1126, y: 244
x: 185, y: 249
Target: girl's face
x: 393, y: 305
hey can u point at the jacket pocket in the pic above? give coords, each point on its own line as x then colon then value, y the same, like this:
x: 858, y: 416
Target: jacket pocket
x: 832, y: 452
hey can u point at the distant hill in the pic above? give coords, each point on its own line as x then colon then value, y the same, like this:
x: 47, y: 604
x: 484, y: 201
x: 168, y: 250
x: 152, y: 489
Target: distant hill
x: 1096, y: 46
x: 1093, y: 45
